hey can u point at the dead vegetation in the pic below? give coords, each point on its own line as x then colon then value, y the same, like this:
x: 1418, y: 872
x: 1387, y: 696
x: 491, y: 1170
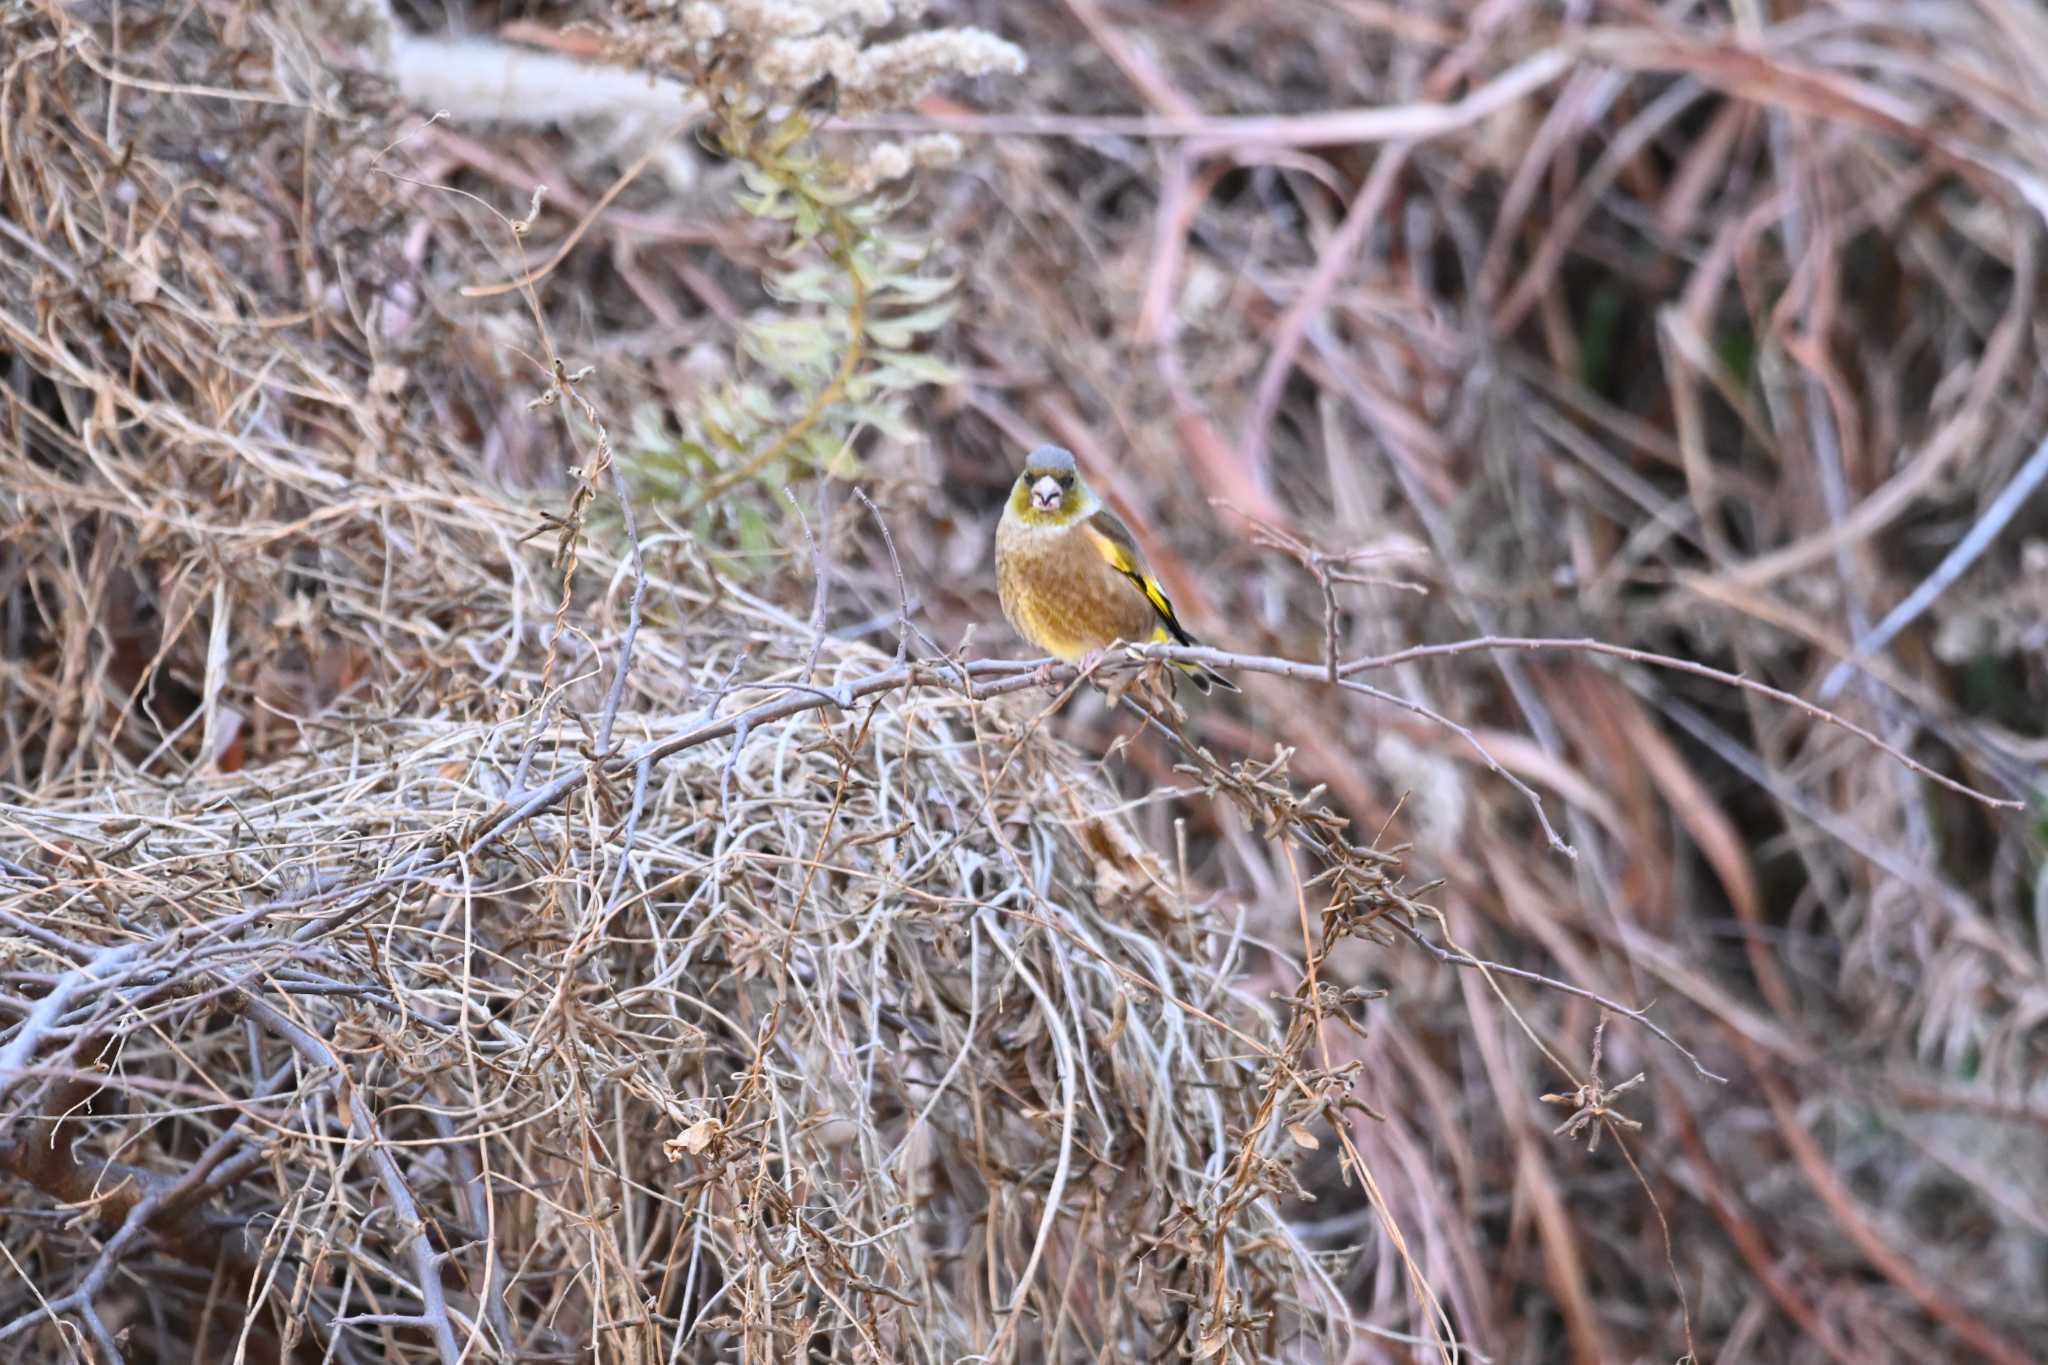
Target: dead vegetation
x: 507, y: 855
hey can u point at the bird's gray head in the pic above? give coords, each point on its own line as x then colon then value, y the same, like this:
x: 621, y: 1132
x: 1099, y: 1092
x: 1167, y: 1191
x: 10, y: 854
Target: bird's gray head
x: 1050, y: 475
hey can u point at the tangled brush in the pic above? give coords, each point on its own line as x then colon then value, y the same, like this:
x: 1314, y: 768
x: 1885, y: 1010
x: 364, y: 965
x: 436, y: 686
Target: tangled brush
x: 870, y: 1027
x: 418, y: 945
x: 507, y: 852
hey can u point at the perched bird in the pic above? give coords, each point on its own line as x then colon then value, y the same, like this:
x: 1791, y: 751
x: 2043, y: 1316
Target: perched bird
x: 1070, y: 575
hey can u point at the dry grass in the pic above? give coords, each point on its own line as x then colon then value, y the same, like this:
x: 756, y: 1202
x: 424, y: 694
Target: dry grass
x: 1720, y: 344
x: 421, y: 947
x: 449, y: 909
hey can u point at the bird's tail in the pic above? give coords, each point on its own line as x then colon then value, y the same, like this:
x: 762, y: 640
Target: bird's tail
x: 1206, y: 678
x: 1171, y: 632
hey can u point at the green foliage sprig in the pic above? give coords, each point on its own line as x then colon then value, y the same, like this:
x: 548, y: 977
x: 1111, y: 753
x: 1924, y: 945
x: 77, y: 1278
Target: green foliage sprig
x: 836, y: 353
x: 840, y: 348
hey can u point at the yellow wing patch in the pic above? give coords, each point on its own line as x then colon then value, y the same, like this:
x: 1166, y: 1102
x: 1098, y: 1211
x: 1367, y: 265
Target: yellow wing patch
x: 1121, y: 555
x: 1118, y: 556
x: 1121, y: 559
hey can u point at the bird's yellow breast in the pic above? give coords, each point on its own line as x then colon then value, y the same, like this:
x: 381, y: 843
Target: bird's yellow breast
x: 1063, y: 596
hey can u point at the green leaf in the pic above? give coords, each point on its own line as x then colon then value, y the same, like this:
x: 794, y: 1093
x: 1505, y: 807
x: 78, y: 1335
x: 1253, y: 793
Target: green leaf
x: 886, y: 418
x: 914, y: 367
x: 718, y: 431
x: 812, y: 284
x: 808, y: 219
x: 843, y: 463
x: 792, y: 346
x: 758, y: 404
x: 918, y: 288
x: 751, y: 529
x: 843, y: 197
x: 904, y: 328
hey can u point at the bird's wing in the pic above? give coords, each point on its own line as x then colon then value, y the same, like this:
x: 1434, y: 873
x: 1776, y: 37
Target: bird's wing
x: 1113, y: 540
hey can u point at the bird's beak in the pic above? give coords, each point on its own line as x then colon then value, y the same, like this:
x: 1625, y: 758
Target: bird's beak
x: 1046, y: 493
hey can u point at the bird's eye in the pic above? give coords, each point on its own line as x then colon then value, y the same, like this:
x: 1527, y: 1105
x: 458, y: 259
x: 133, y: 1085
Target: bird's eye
x: 1066, y: 480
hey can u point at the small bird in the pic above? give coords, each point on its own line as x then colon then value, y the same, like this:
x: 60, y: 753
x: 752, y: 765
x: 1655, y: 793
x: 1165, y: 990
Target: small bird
x: 1071, y: 578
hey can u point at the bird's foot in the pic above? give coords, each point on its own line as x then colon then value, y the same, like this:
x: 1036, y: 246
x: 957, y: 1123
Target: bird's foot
x: 1086, y: 664
x: 1116, y: 682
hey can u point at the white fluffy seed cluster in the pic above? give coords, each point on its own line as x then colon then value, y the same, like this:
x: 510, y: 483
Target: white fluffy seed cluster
x: 790, y: 45
x: 883, y: 162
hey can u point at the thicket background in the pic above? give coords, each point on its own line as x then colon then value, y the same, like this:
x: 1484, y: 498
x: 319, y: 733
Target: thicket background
x: 514, y: 846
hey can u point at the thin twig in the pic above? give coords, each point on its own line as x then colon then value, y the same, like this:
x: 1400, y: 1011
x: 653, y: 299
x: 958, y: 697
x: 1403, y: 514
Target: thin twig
x: 1953, y: 566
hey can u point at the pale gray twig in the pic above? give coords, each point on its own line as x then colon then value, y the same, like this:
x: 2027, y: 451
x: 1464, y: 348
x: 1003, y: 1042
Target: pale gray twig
x: 2018, y: 489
